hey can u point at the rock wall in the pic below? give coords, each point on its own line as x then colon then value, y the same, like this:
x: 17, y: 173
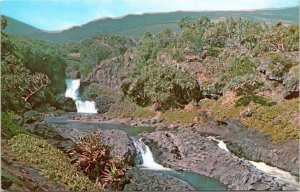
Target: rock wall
x: 185, y: 149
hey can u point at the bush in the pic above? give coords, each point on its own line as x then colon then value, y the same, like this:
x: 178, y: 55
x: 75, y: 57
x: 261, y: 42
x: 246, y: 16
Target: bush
x: 9, y: 126
x: 93, y: 158
x: 164, y: 87
x: 246, y: 99
x: 54, y: 164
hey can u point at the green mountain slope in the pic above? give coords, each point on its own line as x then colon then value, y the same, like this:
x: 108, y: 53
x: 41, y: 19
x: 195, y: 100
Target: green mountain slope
x: 136, y: 25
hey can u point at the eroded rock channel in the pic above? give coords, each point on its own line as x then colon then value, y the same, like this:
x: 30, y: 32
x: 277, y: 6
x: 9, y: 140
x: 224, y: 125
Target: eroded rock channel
x: 185, y: 149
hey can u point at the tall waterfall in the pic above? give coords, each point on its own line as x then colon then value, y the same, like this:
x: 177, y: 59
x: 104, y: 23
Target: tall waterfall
x: 147, y: 156
x: 73, y: 92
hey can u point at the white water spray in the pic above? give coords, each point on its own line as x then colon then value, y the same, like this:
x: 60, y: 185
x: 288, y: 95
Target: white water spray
x: 73, y: 92
x: 147, y: 156
x: 272, y: 171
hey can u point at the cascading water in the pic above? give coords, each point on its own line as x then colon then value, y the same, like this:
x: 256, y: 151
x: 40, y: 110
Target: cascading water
x: 272, y: 171
x: 73, y: 92
x: 198, y: 182
x: 146, y: 155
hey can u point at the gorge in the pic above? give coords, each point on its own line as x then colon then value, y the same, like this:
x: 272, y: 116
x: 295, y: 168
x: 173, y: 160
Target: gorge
x: 212, y: 105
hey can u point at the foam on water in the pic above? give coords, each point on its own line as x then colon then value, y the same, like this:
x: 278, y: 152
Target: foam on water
x: 270, y: 170
x: 72, y: 91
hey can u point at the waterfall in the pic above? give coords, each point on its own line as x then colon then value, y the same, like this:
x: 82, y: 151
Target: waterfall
x: 146, y: 154
x: 73, y: 92
x: 272, y: 171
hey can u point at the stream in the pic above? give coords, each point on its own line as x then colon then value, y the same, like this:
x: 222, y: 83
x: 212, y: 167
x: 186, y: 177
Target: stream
x: 199, y: 182
x: 270, y: 170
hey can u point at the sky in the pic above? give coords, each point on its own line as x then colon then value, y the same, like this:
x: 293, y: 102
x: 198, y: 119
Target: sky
x: 54, y: 15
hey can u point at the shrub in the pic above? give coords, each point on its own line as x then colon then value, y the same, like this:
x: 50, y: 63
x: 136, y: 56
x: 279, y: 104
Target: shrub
x: 9, y: 126
x: 247, y: 84
x: 162, y: 86
x: 93, y: 158
x: 54, y: 163
x: 246, y: 99
x: 280, y: 66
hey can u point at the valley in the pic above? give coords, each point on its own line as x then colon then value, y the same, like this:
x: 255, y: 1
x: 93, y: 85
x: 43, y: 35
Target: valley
x: 168, y: 101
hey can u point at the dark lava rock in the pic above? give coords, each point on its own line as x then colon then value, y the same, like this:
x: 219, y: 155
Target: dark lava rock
x: 66, y: 104
x: 121, y: 144
x: 204, y: 157
x: 255, y: 145
x: 65, y: 138
x: 31, y: 116
x: 109, y: 71
x: 147, y: 180
x: 53, y: 135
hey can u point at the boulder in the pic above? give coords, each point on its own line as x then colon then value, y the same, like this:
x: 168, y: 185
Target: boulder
x: 147, y: 180
x: 66, y: 104
x: 121, y: 144
x: 31, y: 116
x: 52, y: 134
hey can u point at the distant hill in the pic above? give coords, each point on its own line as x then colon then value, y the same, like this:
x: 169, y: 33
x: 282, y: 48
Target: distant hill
x: 136, y: 25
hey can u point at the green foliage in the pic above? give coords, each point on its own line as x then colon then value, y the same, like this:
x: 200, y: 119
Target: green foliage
x: 165, y: 87
x: 280, y: 66
x: 54, y: 163
x: 9, y: 125
x: 241, y: 66
x: 178, y: 56
x: 94, y: 50
x: 44, y: 57
x: 247, y: 98
x: 13, y: 75
x: 247, y: 84
x: 93, y: 91
x: 280, y: 37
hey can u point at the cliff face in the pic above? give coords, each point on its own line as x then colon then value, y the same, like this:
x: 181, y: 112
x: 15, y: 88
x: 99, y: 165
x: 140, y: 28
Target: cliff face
x: 109, y: 72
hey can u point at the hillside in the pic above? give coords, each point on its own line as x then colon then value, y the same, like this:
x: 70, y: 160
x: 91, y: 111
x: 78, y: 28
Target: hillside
x: 136, y: 25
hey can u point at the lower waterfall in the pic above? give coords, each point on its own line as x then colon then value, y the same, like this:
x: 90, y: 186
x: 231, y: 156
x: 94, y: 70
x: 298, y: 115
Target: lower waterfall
x: 272, y: 171
x: 146, y: 155
x: 73, y: 92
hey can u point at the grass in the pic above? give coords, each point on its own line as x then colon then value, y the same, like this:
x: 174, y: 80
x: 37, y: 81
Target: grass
x: 183, y: 116
x: 140, y: 112
x: 54, y: 164
x: 280, y: 121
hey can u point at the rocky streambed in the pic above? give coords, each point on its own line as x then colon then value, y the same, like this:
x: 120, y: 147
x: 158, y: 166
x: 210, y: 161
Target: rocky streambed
x: 179, y: 147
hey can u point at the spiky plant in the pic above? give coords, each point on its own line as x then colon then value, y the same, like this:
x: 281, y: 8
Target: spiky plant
x: 93, y: 158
